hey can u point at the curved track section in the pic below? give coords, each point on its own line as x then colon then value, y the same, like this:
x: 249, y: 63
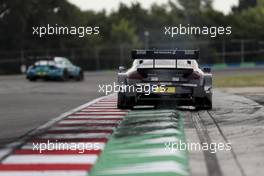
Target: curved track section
x: 68, y: 145
x: 142, y: 142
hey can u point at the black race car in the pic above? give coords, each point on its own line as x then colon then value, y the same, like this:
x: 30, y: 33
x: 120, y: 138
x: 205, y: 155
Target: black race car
x: 165, y: 75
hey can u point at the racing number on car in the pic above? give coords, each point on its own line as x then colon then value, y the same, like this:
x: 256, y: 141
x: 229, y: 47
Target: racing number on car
x: 164, y: 89
x: 169, y: 89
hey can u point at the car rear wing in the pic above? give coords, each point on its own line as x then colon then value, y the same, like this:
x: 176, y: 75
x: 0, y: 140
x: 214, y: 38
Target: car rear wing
x: 165, y: 54
x: 31, y: 60
x: 44, y: 63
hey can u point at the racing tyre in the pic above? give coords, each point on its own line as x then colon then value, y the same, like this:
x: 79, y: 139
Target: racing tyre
x: 203, y: 104
x: 124, y: 102
x: 208, y: 104
x: 65, y: 75
x: 80, y: 76
x: 32, y: 79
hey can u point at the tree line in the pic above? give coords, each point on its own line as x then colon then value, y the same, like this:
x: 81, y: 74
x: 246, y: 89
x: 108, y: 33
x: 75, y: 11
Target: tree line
x: 127, y: 25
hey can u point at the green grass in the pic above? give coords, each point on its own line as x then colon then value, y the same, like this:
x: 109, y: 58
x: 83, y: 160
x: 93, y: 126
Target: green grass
x: 239, y: 81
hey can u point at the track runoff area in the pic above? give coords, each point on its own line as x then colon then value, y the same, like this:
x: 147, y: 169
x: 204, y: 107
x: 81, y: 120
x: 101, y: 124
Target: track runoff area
x: 99, y: 139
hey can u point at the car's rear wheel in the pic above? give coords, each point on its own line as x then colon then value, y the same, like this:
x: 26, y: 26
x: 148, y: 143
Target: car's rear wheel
x: 203, y: 104
x: 32, y: 79
x: 65, y: 75
x: 124, y: 102
x: 208, y: 104
x: 80, y: 76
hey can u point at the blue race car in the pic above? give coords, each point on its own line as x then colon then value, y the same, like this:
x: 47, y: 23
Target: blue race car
x: 58, y: 68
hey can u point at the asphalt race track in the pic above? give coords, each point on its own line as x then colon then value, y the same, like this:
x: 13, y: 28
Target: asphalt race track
x: 138, y: 140
x: 25, y: 105
x: 234, y: 119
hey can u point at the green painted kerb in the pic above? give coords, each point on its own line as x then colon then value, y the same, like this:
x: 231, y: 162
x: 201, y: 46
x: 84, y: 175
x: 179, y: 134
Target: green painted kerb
x: 142, y: 146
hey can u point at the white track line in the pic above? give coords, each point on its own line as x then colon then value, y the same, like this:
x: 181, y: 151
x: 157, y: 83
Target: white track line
x: 75, y: 135
x: 88, y: 121
x: 47, y: 159
x: 102, y: 110
x: 82, y: 128
x: 99, y: 107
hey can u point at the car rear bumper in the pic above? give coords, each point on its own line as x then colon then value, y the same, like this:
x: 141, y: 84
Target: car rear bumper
x: 185, y: 94
x: 170, y: 90
x: 157, y: 97
x: 46, y: 76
